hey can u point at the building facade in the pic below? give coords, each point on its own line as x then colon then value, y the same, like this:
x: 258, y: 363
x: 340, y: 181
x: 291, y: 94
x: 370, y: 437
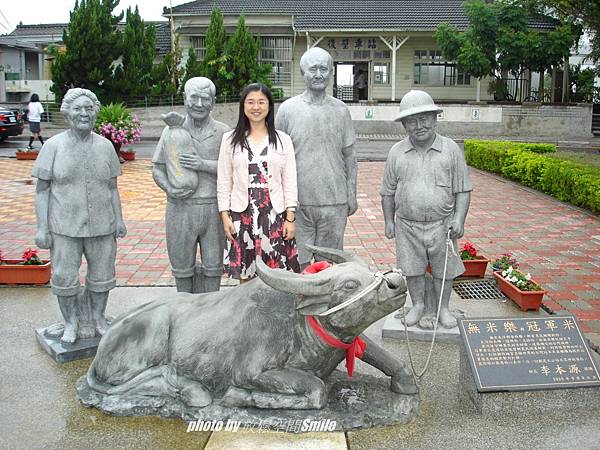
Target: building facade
x: 391, y: 42
x: 26, y: 63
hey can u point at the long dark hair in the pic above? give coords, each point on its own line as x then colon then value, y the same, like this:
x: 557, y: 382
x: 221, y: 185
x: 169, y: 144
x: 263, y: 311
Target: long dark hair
x: 34, y: 98
x: 243, y: 125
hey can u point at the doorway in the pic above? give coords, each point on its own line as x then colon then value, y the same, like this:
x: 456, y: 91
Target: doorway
x: 351, y: 81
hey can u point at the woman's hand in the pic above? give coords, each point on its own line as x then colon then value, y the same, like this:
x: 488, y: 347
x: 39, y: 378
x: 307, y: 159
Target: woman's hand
x: 228, y: 226
x: 289, y: 230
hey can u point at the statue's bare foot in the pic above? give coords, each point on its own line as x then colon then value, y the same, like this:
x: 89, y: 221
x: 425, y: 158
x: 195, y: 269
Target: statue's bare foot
x: 427, y: 322
x: 447, y: 319
x: 70, y: 334
x: 414, y: 315
x: 101, y: 326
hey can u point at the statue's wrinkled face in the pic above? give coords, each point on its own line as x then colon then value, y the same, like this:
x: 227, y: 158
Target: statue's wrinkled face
x: 317, y: 71
x: 421, y: 127
x: 82, y: 114
x: 199, y: 102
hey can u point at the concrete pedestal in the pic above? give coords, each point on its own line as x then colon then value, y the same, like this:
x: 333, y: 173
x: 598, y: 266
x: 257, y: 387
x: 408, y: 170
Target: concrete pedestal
x: 61, y: 352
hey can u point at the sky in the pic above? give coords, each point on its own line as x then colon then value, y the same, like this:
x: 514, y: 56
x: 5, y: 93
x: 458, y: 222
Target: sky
x: 57, y: 11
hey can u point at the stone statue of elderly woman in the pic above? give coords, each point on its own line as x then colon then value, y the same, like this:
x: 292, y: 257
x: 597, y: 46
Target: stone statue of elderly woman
x: 79, y: 213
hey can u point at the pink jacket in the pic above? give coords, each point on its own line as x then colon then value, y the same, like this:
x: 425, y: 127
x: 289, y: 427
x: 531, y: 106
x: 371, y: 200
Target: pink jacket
x: 232, y: 175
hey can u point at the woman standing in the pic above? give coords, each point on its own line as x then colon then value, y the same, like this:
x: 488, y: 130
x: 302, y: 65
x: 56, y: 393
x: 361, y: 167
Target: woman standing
x: 256, y: 189
x: 34, y: 117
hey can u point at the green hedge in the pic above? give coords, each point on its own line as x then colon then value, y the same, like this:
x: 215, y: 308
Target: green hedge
x: 578, y: 184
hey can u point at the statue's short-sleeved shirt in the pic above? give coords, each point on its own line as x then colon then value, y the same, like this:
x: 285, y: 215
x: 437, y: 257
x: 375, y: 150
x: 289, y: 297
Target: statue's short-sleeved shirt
x: 319, y: 133
x: 424, y: 183
x: 207, y: 142
x: 80, y: 173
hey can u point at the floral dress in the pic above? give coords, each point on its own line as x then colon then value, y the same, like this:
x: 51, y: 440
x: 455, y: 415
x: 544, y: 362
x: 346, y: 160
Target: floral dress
x: 259, y: 229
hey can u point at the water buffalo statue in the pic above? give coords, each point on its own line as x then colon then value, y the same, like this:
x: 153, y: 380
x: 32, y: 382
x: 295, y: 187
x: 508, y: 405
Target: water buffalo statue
x: 252, y: 345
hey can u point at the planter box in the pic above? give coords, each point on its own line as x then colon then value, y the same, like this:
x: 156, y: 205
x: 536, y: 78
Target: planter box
x: 527, y: 300
x: 128, y: 156
x: 475, y: 267
x: 11, y: 272
x: 26, y: 155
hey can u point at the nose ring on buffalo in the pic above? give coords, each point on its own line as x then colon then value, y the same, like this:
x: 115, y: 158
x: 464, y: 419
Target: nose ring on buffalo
x: 393, y: 279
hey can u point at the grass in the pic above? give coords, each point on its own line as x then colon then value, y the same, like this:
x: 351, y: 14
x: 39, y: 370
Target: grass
x: 585, y: 158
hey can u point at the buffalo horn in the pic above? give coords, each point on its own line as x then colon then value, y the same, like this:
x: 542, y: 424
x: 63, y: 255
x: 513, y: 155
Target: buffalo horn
x: 294, y: 283
x: 335, y: 255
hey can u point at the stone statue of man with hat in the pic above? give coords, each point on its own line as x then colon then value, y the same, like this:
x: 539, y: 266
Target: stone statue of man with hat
x: 425, y: 197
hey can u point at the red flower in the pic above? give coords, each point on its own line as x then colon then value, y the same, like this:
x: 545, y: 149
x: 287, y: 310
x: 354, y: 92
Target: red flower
x: 28, y: 254
x: 30, y: 257
x: 468, y: 251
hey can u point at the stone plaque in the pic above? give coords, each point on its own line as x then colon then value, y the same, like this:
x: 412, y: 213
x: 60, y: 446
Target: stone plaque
x: 522, y: 354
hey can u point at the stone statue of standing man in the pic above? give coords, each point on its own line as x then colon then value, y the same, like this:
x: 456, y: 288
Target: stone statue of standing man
x: 425, y: 194
x: 323, y: 135
x: 185, y: 167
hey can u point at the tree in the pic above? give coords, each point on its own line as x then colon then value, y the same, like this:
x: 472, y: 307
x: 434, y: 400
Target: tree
x: 582, y: 84
x: 138, y: 50
x: 166, y: 76
x: 586, y: 12
x: 500, y: 41
x: 193, y: 67
x: 91, y: 46
x: 213, y: 64
x: 242, y: 60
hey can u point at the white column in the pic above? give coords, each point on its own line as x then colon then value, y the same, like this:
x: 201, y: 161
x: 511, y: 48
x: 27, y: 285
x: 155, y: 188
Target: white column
x: 394, y: 45
x: 394, y: 68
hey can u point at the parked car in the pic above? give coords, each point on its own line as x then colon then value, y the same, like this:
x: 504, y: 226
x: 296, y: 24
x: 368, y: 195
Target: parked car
x: 11, y: 123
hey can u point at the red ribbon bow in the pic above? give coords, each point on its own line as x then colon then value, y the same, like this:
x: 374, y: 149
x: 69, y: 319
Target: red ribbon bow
x: 355, y: 349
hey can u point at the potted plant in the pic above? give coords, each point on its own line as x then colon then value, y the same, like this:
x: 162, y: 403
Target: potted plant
x: 30, y: 269
x: 505, y: 261
x: 128, y: 154
x: 475, y: 265
x: 116, y: 123
x: 520, y: 288
x: 27, y: 154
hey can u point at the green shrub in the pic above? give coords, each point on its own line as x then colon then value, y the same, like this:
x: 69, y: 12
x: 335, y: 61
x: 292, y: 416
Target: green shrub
x: 568, y: 181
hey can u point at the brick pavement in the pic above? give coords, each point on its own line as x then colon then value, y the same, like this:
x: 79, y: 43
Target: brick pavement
x: 557, y: 243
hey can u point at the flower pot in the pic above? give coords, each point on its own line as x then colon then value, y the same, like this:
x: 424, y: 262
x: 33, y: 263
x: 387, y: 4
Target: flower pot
x: 475, y: 267
x: 527, y: 300
x: 128, y: 156
x: 26, y: 155
x: 13, y: 272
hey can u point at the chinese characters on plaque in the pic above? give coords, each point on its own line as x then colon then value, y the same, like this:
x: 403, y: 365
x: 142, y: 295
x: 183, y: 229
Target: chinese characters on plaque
x: 356, y: 43
x: 518, y: 354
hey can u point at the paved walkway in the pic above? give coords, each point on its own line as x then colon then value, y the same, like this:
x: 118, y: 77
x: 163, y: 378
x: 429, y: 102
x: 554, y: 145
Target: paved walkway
x: 557, y: 243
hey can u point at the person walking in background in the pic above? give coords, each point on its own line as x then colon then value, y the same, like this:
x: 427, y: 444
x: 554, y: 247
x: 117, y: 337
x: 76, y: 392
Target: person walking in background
x: 361, y: 84
x: 34, y: 117
x: 257, y: 189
